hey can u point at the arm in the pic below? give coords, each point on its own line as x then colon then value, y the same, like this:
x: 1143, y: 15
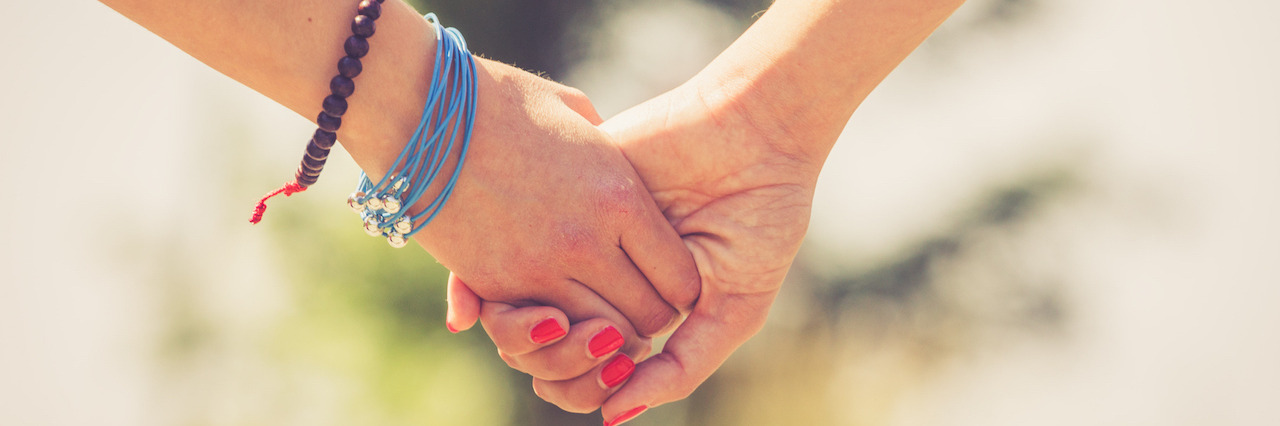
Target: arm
x: 286, y: 50
x: 546, y: 209
x: 805, y: 66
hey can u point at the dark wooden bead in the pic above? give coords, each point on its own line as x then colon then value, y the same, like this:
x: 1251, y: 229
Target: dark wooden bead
x: 312, y: 165
x: 324, y: 138
x: 370, y: 8
x: 328, y: 122
x: 303, y: 179
x: 305, y: 170
x: 362, y: 26
x: 342, y: 86
x: 315, y: 152
x: 356, y: 46
x: 334, y: 105
x: 349, y: 67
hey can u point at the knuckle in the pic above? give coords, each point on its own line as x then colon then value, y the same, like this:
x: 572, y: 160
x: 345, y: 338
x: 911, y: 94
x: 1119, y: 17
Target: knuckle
x: 575, y: 242
x: 657, y: 321
x: 580, y: 404
x: 639, y: 349
x: 583, y: 405
x: 540, y: 390
x: 576, y: 408
x: 554, y: 370
x: 689, y: 287
x: 510, y: 360
x: 556, y: 376
x: 618, y: 197
x: 684, y: 383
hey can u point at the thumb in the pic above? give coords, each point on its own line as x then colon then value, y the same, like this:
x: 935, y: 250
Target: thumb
x: 464, y: 305
x: 718, y: 325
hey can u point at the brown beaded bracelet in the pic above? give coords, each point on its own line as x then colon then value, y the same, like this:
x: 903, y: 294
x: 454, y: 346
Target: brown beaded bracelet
x: 333, y: 107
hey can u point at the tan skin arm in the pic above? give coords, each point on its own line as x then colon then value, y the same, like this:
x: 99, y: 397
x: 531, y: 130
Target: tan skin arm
x: 287, y: 50
x: 546, y: 209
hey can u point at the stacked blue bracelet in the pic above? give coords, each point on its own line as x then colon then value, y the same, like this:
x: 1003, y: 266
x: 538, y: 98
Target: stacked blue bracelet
x: 447, y: 120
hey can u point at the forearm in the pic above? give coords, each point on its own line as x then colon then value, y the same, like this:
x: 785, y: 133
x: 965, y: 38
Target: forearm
x: 806, y: 65
x: 288, y: 51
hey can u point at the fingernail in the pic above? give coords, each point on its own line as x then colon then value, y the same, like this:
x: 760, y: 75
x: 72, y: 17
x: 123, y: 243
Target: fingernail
x: 450, y: 327
x: 630, y: 414
x: 547, y: 330
x: 605, y: 342
x: 617, y: 370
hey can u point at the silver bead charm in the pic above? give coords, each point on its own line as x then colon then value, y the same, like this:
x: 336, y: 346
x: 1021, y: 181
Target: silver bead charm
x: 396, y: 240
x: 403, y: 226
x: 354, y: 202
x: 371, y: 227
x: 374, y: 204
x: 391, y: 204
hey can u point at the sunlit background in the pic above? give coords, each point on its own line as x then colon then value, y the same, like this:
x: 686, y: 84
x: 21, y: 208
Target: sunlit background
x: 1056, y: 212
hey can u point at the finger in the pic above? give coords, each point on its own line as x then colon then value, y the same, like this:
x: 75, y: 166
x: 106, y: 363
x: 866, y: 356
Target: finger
x: 464, y: 305
x: 585, y: 393
x: 617, y: 280
x: 517, y: 331
x: 587, y: 345
x: 703, y: 342
x: 580, y: 304
x: 660, y: 255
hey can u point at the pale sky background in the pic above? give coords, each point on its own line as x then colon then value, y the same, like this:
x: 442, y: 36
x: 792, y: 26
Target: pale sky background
x: 1173, y: 108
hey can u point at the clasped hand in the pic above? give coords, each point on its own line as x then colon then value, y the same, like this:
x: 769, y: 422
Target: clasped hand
x: 723, y: 193
x: 579, y: 240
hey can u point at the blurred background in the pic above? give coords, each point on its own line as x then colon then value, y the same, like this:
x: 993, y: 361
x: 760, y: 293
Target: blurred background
x: 1053, y: 213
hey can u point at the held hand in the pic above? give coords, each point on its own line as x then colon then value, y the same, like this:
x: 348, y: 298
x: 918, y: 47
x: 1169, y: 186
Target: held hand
x: 741, y: 204
x: 547, y: 211
x: 575, y: 369
x: 732, y: 158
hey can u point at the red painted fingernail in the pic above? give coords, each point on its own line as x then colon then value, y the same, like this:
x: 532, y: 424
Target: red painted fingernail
x: 546, y: 331
x: 630, y: 414
x: 450, y: 327
x: 605, y: 342
x: 617, y: 370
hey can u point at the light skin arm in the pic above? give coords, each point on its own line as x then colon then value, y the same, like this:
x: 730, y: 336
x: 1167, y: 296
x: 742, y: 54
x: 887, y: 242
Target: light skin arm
x: 806, y: 65
x: 546, y: 210
x: 732, y: 158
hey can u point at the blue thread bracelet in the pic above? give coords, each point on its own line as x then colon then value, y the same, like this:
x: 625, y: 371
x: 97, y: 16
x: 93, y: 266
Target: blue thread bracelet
x: 383, y: 207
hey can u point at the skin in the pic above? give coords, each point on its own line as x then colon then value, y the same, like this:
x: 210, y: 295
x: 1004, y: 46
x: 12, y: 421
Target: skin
x: 547, y: 210
x: 732, y: 158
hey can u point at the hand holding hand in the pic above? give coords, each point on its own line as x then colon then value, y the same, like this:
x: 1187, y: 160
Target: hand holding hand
x: 547, y: 211
x: 741, y: 204
x: 732, y: 158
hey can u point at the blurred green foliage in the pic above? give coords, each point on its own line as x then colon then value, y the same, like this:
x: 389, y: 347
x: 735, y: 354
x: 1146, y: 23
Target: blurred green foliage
x: 374, y: 317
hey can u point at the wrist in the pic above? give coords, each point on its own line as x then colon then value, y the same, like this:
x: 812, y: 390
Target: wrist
x: 387, y: 106
x: 748, y: 98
